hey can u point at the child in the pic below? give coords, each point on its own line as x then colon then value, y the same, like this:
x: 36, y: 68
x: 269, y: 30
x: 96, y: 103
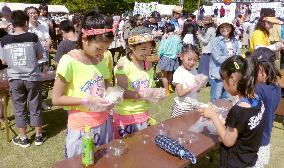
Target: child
x: 133, y: 75
x: 169, y: 49
x: 77, y: 77
x: 21, y: 51
x: 184, y: 80
x: 242, y: 132
x: 270, y: 93
x: 188, y: 34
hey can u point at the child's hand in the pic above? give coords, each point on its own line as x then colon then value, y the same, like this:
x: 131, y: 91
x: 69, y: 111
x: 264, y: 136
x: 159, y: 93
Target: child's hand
x: 208, y: 112
x: 97, y: 100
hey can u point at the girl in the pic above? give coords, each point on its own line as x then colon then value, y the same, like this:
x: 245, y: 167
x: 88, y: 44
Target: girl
x: 270, y: 93
x: 133, y: 75
x: 241, y: 133
x: 224, y: 45
x: 260, y: 36
x: 78, y: 76
x: 188, y: 34
x: 168, y: 51
x: 184, y: 80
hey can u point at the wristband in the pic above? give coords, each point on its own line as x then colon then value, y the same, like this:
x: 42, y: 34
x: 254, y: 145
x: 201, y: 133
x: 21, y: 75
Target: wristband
x: 84, y: 101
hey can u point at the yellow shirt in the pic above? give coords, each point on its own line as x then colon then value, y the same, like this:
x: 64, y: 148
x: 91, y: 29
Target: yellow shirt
x: 136, y: 78
x: 258, y: 39
x: 82, y: 79
x: 105, y: 66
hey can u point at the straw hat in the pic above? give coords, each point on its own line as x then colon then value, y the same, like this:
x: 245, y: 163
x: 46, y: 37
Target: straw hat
x: 273, y: 20
x: 177, y: 9
x: 140, y: 35
x: 207, y: 20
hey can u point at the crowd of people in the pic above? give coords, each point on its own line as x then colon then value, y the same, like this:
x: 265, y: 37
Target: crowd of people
x: 85, y: 68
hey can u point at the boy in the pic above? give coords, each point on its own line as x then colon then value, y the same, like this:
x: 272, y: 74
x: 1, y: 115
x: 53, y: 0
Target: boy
x: 21, y: 51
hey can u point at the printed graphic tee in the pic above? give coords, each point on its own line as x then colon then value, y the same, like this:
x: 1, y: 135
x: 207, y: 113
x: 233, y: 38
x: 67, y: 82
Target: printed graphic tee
x: 19, y: 51
x: 249, y: 123
x: 82, y: 80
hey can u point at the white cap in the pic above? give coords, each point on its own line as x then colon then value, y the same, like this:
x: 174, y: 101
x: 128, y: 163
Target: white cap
x: 224, y: 20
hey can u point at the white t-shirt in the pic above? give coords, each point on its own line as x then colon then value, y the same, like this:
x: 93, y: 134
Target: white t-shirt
x: 42, y: 32
x: 186, y: 78
x: 229, y: 48
x: 188, y: 39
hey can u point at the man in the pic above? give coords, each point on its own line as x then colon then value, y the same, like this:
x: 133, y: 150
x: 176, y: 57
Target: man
x: 222, y: 12
x: 69, y: 41
x: 20, y: 51
x: 216, y: 11
x: 152, y: 22
x: 40, y: 30
x: 177, y: 11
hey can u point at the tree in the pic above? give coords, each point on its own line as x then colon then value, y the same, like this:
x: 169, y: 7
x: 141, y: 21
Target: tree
x: 109, y: 6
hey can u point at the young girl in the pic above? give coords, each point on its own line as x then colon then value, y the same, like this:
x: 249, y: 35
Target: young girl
x: 133, y: 75
x: 270, y: 93
x: 184, y: 80
x: 242, y: 132
x: 78, y: 76
x: 169, y: 49
x: 188, y: 34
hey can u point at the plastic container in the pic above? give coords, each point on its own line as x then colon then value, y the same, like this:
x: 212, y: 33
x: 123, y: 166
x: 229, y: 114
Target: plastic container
x: 162, y: 129
x: 117, y: 148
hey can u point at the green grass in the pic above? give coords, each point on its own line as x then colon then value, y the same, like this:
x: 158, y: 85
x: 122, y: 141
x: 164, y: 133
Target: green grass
x: 52, y: 150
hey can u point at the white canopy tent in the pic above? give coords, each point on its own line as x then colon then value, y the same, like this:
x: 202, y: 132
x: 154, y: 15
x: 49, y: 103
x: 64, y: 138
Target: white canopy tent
x: 22, y: 6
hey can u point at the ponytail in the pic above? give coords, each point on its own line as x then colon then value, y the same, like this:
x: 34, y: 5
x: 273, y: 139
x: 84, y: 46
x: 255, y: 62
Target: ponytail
x: 247, y: 70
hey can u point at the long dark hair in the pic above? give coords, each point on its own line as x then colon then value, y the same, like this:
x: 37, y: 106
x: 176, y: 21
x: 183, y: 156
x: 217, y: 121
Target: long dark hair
x: 266, y: 61
x: 247, y: 70
x: 231, y: 35
x: 188, y: 28
x: 94, y: 20
x: 260, y: 25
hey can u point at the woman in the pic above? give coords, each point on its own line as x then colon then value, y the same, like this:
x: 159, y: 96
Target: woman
x: 260, y: 36
x: 224, y: 45
x: 205, y: 36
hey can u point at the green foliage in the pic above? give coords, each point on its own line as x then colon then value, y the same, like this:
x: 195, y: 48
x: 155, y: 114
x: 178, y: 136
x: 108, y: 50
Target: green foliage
x: 109, y: 6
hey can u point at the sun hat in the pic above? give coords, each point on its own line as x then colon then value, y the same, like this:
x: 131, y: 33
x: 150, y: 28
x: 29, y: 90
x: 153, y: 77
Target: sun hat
x: 273, y: 20
x: 224, y: 20
x: 140, y: 35
x: 177, y: 9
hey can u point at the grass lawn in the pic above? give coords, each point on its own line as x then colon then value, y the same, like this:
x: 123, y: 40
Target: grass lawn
x: 52, y: 150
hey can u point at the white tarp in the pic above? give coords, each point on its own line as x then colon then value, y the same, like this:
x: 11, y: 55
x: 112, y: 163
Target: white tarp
x: 229, y: 9
x: 22, y: 6
x: 165, y: 9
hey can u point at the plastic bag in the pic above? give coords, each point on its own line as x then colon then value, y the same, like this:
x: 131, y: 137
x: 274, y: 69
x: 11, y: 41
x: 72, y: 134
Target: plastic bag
x: 112, y: 95
x: 201, y: 81
x: 153, y: 95
x: 204, y: 124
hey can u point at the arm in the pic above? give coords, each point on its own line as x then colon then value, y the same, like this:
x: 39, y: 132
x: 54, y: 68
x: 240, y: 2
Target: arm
x: 58, y: 97
x: 207, y: 37
x: 227, y: 134
x: 217, y: 53
x: 122, y: 81
x: 39, y: 51
x: 182, y: 92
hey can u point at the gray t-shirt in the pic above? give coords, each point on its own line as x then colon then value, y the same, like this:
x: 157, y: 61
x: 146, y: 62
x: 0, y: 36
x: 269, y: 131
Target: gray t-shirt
x: 20, y: 53
x: 63, y: 48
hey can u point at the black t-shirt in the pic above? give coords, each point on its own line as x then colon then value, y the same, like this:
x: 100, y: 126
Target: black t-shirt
x: 249, y: 123
x: 150, y: 25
